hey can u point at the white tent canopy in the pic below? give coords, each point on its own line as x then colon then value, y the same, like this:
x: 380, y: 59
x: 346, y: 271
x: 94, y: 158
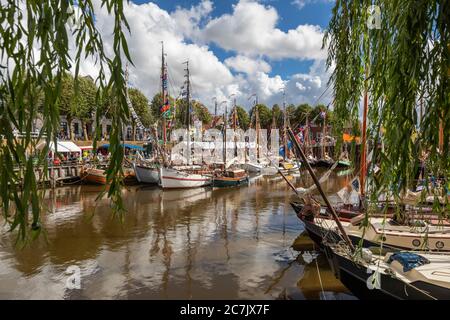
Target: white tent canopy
x: 65, y: 147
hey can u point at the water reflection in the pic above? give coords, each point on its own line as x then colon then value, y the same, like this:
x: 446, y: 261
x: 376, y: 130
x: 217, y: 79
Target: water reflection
x: 180, y: 244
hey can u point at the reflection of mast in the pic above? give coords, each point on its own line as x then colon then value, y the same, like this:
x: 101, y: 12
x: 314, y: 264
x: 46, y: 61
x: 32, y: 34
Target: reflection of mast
x: 189, y: 257
x: 225, y: 228
x: 167, y: 255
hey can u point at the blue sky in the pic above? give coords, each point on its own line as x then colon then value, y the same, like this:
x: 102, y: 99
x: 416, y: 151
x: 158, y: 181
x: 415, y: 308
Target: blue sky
x: 237, y: 47
x: 315, y: 12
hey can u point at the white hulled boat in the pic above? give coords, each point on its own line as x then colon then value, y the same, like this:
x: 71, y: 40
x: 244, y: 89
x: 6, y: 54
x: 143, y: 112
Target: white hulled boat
x: 180, y: 178
x: 146, y: 174
x: 190, y: 176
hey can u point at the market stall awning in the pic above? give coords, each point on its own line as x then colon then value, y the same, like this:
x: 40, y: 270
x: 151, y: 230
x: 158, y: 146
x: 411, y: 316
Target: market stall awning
x: 64, y: 147
x: 126, y: 145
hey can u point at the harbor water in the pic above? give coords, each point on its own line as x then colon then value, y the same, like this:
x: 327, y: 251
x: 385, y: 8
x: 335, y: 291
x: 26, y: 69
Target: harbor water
x: 238, y: 243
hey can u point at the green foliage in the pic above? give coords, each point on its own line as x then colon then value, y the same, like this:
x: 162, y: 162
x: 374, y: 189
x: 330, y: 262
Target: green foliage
x: 243, y: 118
x: 277, y: 115
x: 32, y: 82
x: 302, y: 112
x: 399, y: 65
x: 265, y: 116
x: 156, y: 105
x: 199, y: 111
x: 290, y: 110
x: 141, y: 106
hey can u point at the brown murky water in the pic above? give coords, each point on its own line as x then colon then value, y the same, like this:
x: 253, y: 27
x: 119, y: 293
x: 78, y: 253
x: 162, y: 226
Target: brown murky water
x: 192, y: 244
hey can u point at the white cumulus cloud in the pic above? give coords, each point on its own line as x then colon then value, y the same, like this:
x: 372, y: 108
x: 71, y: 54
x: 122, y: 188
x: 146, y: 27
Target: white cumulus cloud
x: 247, y: 65
x: 252, y: 29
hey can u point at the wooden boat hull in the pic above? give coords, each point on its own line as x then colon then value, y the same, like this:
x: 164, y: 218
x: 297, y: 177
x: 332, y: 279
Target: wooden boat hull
x: 324, y: 163
x: 178, y: 179
x: 396, y: 240
x: 225, y: 182
x: 94, y: 176
x: 146, y: 174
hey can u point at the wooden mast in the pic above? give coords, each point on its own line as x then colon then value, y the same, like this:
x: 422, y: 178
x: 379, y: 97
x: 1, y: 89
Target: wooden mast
x: 363, y: 165
x: 163, y: 94
x: 322, y: 193
x: 188, y: 120
x: 225, y: 138
x: 285, y: 146
x: 257, y: 125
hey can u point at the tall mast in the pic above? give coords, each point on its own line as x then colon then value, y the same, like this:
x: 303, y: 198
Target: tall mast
x: 163, y: 94
x: 285, y: 126
x: 188, y: 100
x: 362, y: 176
x: 225, y: 136
x: 234, y: 115
x: 323, y: 136
x: 258, y: 127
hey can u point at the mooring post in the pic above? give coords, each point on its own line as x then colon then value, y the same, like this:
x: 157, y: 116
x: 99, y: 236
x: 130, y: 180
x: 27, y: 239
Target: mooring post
x: 317, y: 183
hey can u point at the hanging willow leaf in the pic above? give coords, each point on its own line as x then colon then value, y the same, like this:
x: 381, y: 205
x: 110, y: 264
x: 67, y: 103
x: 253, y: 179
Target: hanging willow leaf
x: 403, y: 66
x: 35, y: 41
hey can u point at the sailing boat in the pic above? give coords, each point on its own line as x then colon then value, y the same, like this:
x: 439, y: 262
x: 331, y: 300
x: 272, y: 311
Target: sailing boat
x: 395, y: 274
x: 325, y: 160
x: 310, y: 157
x: 147, y: 170
x: 228, y: 177
x: 189, y: 176
x: 286, y: 165
x: 252, y: 166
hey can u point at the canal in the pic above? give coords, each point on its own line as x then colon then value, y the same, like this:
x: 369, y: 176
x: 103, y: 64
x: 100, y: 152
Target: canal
x: 243, y: 243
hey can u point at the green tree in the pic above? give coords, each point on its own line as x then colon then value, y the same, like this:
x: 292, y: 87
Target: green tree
x: 141, y: 106
x: 156, y: 105
x: 316, y: 114
x: 265, y: 116
x: 201, y: 112
x: 277, y: 113
x: 67, y: 103
x: 86, y: 103
x: 290, y: 110
x: 301, y: 112
x: 243, y: 118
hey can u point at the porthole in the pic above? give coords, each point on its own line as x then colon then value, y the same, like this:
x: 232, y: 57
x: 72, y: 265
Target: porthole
x: 416, y: 242
x: 440, y: 245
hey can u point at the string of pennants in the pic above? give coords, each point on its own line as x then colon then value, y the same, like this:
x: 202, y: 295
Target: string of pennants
x: 136, y: 119
x: 165, y: 108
